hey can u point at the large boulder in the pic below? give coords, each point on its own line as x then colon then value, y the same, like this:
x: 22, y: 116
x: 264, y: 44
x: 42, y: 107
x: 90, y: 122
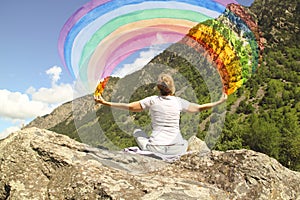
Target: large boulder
x: 40, y: 164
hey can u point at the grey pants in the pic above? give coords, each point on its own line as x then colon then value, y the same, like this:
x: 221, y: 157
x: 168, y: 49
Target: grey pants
x: 143, y: 142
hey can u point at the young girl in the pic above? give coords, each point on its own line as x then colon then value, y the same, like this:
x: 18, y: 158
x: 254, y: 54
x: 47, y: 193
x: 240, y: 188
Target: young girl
x: 165, y: 111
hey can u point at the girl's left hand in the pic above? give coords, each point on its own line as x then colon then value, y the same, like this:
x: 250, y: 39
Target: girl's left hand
x: 99, y: 99
x: 224, y: 96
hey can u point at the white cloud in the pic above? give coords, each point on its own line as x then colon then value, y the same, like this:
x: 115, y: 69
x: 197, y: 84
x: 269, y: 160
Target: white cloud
x: 8, y: 131
x: 145, y: 57
x: 35, y: 102
x: 57, y: 94
x: 54, y: 73
x: 15, y: 105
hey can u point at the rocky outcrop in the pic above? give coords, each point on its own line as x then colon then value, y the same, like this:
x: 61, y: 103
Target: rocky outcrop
x: 61, y: 113
x: 64, y: 113
x: 241, y: 12
x: 40, y: 164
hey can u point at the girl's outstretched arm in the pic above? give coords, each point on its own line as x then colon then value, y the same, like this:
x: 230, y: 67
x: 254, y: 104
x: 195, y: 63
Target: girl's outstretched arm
x: 134, y: 106
x: 193, y: 107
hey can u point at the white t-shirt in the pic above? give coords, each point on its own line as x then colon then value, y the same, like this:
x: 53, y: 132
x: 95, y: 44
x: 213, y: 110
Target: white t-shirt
x: 165, y: 117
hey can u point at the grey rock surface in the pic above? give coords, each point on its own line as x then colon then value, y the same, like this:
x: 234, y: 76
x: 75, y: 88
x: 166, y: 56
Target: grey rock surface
x: 40, y: 164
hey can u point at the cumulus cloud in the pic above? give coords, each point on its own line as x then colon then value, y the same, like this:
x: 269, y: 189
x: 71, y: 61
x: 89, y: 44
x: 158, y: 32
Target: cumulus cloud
x: 57, y: 94
x: 15, y: 105
x: 8, y: 131
x: 35, y: 102
x: 145, y: 57
x: 54, y: 73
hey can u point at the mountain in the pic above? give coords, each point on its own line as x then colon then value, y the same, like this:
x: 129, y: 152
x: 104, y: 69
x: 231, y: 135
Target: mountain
x: 41, y: 164
x: 263, y: 115
x: 253, y: 155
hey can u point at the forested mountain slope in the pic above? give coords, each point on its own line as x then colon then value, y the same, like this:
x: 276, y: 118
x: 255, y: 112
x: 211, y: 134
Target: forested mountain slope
x: 263, y: 115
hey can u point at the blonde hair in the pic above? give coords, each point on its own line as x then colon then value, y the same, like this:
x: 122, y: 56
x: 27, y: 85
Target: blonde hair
x: 165, y: 84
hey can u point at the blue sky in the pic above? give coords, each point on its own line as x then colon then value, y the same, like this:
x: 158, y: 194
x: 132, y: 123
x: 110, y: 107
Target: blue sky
x: 33, y: 80
x: 31, y: 69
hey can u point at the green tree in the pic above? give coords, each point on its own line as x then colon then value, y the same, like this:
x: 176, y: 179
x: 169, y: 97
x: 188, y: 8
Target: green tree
x: 262, y: 136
